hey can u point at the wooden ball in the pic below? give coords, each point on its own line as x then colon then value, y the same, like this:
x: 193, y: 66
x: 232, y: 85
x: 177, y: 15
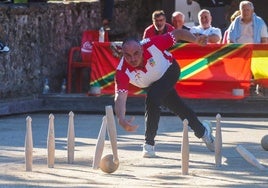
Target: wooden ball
x: 264, y: 142
x: 107, y: 164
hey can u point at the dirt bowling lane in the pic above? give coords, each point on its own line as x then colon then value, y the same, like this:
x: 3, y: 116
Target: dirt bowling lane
x: 133, y: 171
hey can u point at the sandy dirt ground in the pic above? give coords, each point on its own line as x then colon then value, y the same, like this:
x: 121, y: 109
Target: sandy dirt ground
x: 134, y: 171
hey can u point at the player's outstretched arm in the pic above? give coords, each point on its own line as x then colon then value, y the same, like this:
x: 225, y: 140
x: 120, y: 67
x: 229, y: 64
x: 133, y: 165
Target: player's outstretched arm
x: 182, y: 34
x: 120, y: 111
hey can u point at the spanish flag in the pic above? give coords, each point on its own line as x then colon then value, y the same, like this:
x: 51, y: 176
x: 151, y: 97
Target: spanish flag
x: 259, y: 64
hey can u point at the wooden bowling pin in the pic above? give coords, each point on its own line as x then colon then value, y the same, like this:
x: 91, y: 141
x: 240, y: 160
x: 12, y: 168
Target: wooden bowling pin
x: 70, y: 138
x: 28, y: 145
x: 100, y: 144
x: 218, y: 142
x: 51, y: 143
x: 185, y: 149
x: 249, y: 157
x: 111, y: 127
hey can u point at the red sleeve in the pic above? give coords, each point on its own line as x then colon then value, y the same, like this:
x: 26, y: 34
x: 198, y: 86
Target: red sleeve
x: 163, y: 42
x: 121, y: 81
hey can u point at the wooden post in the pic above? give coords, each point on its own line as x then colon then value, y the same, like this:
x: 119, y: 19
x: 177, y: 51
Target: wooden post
x: 185, y: 149
x: 51, y: 142
x: 111, y: 127
x: 71, y: 138
x: 218, y: 142
x: 28, y: 145
x: 100, y: 144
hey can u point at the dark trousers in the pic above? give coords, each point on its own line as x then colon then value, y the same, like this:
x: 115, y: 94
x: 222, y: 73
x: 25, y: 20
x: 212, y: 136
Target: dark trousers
x: 163, y: 93
x: 108, y: 7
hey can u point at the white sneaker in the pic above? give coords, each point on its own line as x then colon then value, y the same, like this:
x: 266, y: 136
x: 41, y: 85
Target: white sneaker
x: 208, y: 138
x: 148, y: 151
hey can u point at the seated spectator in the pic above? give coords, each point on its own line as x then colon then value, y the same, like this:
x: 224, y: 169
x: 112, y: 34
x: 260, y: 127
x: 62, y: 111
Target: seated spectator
x: 234, y: 15
x: 205, y: 28
x: 232, y: 18
x: 247, y: 28
x: 159, y: 25
x: 177, y: 21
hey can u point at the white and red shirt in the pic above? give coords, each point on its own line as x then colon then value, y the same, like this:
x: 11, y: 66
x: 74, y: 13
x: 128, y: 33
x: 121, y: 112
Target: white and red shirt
x: 156, y: 60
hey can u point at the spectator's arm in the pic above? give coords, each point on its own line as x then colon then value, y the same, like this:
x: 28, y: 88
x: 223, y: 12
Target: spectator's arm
x: 182, y: 34
x: 120, y: 111
x: 214, y: 38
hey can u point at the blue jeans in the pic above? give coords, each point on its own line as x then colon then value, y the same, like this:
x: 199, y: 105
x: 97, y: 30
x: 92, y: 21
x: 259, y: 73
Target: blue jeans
x: 163, y: 93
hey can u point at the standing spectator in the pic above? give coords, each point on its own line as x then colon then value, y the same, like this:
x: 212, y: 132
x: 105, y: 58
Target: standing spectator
x: 107, y: 14
x: 147, y: 64
x: 232, y: 18
x: 213, y: 3
x: 190, y: 10
x: 205, y: 28
x: 247, y: 28
x: 159, y: 25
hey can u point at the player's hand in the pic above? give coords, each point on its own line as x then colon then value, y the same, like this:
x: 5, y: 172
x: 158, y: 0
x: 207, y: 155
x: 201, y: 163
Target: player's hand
x: 127, y: 124
x: 202, y: 40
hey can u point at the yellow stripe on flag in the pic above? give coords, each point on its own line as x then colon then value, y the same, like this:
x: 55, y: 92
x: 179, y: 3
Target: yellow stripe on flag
x: 259, y: 64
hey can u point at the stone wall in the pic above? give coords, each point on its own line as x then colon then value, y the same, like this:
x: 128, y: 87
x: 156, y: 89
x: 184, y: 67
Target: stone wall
x: 40, y: 35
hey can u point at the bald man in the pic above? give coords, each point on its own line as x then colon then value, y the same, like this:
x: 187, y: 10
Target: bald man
x: 146, y: 64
